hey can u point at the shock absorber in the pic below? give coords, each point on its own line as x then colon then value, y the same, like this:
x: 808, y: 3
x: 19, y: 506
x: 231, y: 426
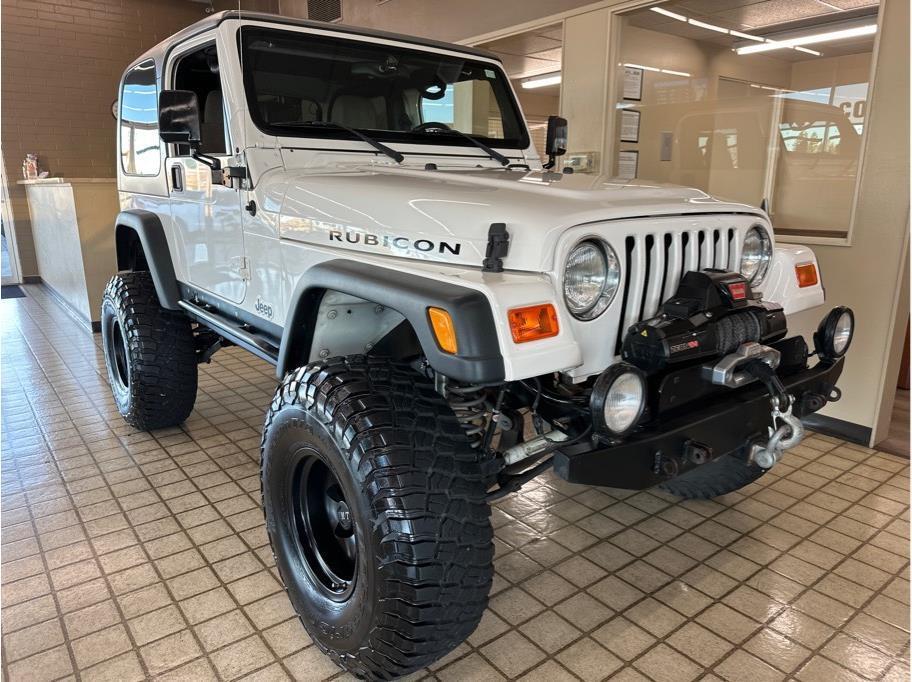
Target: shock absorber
x: 469, y: 404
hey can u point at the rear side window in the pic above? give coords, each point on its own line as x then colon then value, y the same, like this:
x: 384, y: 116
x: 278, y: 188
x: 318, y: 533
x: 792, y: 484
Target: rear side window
x: 139, y: 142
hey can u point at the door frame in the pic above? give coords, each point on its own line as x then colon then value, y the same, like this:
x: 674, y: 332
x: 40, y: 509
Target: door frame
x: 9, y: 227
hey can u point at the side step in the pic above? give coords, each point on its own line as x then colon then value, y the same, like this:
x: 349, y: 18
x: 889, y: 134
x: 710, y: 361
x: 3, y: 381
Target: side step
x: 234, y: 332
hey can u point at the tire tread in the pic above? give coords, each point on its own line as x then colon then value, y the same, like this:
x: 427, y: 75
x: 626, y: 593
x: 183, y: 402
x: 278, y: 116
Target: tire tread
x: 426, y: 490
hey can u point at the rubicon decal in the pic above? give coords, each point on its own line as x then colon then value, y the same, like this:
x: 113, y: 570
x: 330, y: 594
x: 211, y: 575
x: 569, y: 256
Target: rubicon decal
x: 392, y: 242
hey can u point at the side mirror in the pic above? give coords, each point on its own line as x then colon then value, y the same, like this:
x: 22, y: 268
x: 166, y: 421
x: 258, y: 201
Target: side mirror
x: 179, y: 117
x: 556, y: 142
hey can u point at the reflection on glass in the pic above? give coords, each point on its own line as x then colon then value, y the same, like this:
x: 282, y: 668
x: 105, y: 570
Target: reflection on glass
x: 139, y: 143
x: 781, y: 127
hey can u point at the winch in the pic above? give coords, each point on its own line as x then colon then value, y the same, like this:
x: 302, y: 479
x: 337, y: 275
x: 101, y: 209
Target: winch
x: 713, y: 313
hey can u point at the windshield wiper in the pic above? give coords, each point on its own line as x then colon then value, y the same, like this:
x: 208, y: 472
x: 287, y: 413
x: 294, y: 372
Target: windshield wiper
x: 392, y: 153
x: 497, y: 156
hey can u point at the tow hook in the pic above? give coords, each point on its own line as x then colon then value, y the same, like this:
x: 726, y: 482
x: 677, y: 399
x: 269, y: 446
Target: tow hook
x: 789, y: 434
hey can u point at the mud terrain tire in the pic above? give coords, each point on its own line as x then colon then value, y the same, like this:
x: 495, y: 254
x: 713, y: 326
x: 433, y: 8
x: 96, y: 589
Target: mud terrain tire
x: 375, y: 508
x: 149, y: 352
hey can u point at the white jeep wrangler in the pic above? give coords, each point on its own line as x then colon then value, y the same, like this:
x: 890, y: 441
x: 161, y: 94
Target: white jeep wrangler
x: 448, y: 316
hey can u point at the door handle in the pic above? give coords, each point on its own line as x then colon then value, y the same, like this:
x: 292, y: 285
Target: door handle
x: 177, y: 178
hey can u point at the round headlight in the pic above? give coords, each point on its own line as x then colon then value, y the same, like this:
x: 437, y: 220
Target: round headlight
x: 756, y: 254
x: 834, y: 335
x: 591, y: 278
x: 618, y: 398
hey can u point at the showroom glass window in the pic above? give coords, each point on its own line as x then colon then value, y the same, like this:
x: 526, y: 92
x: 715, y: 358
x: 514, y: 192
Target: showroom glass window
x: 139, y: 141
x: 782, y: 126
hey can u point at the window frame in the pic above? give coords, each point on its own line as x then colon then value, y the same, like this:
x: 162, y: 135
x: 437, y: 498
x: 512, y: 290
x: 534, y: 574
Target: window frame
x: 611, y: 145
x: 174, y: 61
x: 120, y: 119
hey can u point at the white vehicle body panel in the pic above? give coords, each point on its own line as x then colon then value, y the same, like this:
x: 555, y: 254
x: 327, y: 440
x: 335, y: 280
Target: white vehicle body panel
x: 324, y: 199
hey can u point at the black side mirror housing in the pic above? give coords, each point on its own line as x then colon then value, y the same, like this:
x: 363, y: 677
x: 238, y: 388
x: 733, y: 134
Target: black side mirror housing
x: 556, y: 142
x: 179, y: 123
x: 179, y: 117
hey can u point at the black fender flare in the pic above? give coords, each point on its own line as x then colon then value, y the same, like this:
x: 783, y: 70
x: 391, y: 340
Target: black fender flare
x: 147, y: 226
x: 478, y: 359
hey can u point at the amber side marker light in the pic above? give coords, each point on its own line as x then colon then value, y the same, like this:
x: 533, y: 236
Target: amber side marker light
x: 533, y: 322
x: 444, y: 330
x: 806, y: 274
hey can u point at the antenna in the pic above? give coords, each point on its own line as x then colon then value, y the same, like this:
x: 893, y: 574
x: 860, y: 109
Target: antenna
x: 241, y: 152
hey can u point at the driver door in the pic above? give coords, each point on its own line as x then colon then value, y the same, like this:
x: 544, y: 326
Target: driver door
x: 207, y: 216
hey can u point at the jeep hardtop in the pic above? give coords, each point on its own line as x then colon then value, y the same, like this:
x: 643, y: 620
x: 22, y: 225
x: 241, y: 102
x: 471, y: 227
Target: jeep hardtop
x: 449, y: 314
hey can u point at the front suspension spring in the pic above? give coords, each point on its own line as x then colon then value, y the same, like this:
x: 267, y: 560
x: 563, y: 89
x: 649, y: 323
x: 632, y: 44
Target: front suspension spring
x: 471, y: 409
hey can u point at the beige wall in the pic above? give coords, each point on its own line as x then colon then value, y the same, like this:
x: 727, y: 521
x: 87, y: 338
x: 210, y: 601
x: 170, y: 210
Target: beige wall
x: 850, y: 68
x: 440, y: 19
x: 61, y: 63
x: 871, y: 275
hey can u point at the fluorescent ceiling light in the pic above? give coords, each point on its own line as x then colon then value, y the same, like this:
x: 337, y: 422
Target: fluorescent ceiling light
x: 645, y: 68
x: 809, y: 51
x: 812, y: 39
x: 746, y: 36
x: 711, y: 27
x: 665, y: 12
x: 657, y: 70
x: 541, y: 81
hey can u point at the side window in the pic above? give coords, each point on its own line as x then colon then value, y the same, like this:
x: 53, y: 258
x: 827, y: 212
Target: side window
x: 139, y: 142
x: 814, y: 137
x: 199, y: 71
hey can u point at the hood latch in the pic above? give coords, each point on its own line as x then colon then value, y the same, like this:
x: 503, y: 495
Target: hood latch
x: 498, y: 246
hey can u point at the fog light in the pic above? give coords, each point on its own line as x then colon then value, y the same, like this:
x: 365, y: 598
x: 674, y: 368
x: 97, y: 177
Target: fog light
x: 834, y: 335
x: 618, y: 399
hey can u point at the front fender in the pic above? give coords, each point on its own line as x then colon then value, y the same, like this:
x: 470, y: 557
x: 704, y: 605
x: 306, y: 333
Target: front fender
x: 148, y: 229
x: 478, y: 359
x: 781, y: 284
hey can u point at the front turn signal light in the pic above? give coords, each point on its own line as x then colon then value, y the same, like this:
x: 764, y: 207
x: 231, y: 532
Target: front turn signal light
x: 444, y: 330
x: 533, y: 322
x: 806, y: 274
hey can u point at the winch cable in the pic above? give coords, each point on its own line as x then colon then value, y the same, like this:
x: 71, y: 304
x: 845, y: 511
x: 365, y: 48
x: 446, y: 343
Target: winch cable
x: 768, y: 377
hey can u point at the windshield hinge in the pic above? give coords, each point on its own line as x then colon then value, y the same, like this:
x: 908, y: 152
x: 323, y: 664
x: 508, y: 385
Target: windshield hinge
x: 498, y: 246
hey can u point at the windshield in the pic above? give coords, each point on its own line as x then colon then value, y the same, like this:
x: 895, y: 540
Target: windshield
x: 295, y: 78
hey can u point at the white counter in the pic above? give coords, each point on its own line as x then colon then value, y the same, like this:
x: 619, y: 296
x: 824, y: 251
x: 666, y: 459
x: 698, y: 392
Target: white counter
x: 73, y: 228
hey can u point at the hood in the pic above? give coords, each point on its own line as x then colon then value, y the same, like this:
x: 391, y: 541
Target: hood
x: 445, y: 215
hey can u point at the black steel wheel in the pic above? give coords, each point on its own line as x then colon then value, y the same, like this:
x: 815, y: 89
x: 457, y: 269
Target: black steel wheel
x: 325, y: 526
x: 375, y: 508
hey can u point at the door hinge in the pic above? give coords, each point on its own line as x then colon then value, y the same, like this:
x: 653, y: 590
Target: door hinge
x: 241, y: 266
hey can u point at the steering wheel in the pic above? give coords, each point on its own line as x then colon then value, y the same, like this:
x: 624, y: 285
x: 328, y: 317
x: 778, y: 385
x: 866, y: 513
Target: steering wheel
x: 430, y: 125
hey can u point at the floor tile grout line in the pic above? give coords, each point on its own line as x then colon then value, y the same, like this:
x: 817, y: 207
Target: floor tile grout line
x: 845, y: 556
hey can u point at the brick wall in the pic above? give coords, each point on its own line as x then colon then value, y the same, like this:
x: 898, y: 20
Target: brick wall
x: 61, y: 63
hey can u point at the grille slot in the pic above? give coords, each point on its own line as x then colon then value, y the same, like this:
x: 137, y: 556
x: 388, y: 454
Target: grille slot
x: 655, y: 263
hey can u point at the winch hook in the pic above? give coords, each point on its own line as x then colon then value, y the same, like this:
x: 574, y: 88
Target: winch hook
x: 789, y: 434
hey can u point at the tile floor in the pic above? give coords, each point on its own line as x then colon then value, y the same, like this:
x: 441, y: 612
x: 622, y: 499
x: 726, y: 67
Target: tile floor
x: 129, y: 555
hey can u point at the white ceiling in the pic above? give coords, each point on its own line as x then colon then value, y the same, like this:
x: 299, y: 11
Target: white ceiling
x: 530, y: 53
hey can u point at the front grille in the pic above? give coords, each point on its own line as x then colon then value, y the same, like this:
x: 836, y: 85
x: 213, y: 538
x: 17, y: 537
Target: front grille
x: 655, y: 263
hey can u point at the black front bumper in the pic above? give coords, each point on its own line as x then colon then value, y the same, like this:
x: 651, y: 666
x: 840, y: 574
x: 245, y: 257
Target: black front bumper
x: 719, y: 425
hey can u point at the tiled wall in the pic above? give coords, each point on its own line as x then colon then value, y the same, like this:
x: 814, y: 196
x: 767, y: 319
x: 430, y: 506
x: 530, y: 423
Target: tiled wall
x: 61, y: 62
